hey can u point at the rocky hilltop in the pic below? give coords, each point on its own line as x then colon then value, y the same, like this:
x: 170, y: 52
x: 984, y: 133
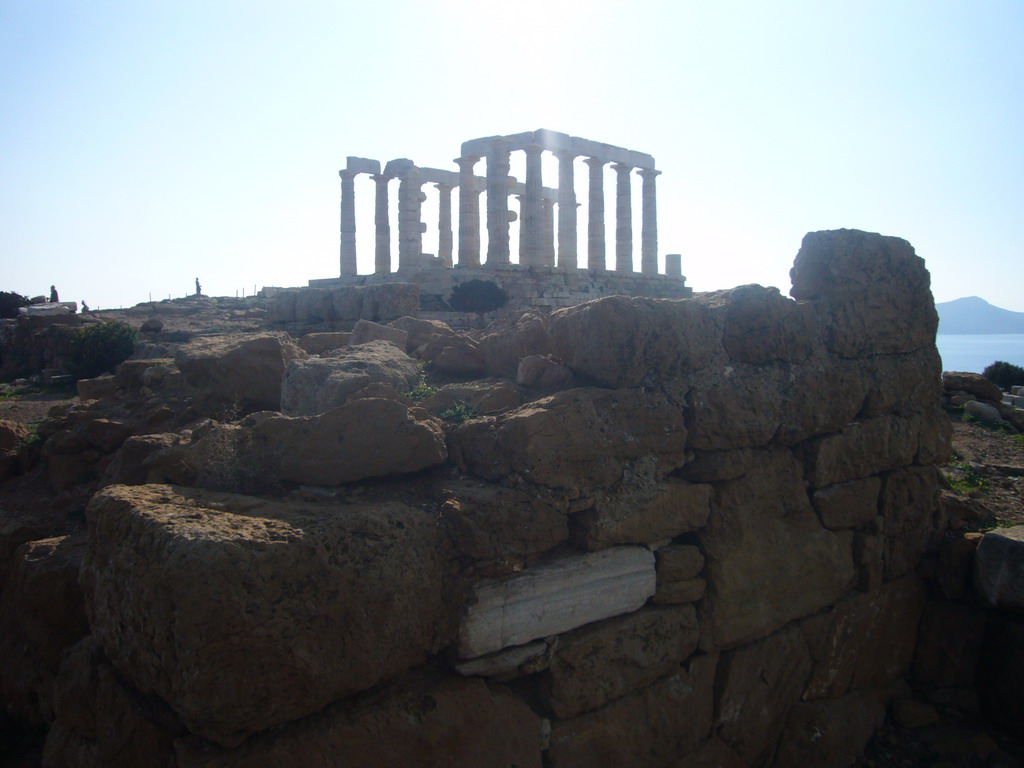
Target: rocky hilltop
x: 633, y: 531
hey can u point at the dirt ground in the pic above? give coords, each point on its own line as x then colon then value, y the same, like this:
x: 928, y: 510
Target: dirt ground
x: 993, y: 462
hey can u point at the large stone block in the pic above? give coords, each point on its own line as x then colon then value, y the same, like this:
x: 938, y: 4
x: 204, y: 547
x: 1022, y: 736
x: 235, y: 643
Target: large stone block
x: 875, y: 291
x: 417, y: 721
x: 669, y: 718
x: 769, y: 560
x: 579, y: 438
x: 758, y: 685
x: 556, y: 597
x: 861, y: 449
x: 603, y: 661
x: 913, y: 516
x: 619, y: 341
x: 848, y: 505
x: 830, y: 732
x: 761, y: 326
x: 370, y: 437
x: 999, y: 568
x: 243, y: 614
x: 243, y: 371
x: 865, y: 641
x: 317, y: 385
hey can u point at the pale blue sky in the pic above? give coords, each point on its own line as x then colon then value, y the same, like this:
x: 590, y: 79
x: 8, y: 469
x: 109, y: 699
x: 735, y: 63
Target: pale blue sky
x: 148, y: 142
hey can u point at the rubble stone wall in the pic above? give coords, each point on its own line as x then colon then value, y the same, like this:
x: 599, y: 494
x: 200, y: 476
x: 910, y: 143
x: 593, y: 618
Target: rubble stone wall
x: 689, y: 540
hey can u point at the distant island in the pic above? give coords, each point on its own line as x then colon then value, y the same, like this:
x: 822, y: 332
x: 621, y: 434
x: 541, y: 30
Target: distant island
x: 975, y: 315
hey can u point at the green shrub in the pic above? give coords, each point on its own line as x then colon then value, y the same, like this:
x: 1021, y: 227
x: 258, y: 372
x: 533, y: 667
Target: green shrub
x: 965, y: 479
x: 1004, y: 375
x: 479, y: 296
x: 458, y: 413
x: 98, y: 349
x: 9, y: 303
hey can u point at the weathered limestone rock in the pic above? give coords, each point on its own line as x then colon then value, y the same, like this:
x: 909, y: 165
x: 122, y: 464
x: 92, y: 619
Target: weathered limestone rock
x: 243, y: 614
x: 108, y: 434
x: 715, y: 753
x: 313, y: 305
x: 768, y: 558
x: 132, y: 463
x: 485, y: 396
x: 544, y: 372
x: 579, y: 438
x: 861, y: 449
x: 649, y: 727
x: 319, y: 343
x: 101, y: 722
x: 41, y: 614
x: 418, y: 721
x: 643, y: 510
x: 678, y: 568
x: 848, y: 505
x: 874, y: 291
x: 390, y: 301
x: 556, y: 597
x: 365, y: 330
x: 759, y: 683
x: 494, y: 523
x: 983, y: 412
x: 974, y: 383
x: 600, y: 662
x: 618, y: 341
x: 238, y: 369
x: 94, y: 389
x: 369, y: 437
x: 508, y: 340
x: 761, y: 325
x: 843, y: 641
x: 456, y: 355
x: 421, y: 332
x: 830, y: 732
x: 317, y: 385
x: 913, y: 517
x: 999, y: 568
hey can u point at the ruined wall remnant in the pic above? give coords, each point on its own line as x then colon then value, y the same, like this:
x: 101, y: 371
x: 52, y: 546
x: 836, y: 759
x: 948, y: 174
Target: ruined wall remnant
x: 676, y: 532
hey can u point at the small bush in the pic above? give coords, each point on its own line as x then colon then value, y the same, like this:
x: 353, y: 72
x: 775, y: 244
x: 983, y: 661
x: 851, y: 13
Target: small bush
x: 9, y: 303
x: 458, y: 413
x: 1004, y: 375
x: 479, y: 296
x: 422, y: 390
x: 966, y: 479
x: 98, y: 349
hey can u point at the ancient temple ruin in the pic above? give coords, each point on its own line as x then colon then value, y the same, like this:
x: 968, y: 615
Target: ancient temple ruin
x: 548, y: 257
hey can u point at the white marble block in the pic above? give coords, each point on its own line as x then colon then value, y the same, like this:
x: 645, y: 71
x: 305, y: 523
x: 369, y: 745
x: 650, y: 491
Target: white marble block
x: 555, y: 598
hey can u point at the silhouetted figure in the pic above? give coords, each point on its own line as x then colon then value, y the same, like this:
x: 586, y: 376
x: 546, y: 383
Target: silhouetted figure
x: 54, y: 298
x: 199, y: 288
x: 85, y: 307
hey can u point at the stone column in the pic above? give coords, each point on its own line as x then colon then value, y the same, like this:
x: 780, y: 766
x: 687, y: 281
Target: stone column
x: 674, y: 264
x: 469, y: 213
x: 548, y: 251
x: 444, y: 223
x: 532, y: 223
x: 623, y: 219
x: 382, y: 222
x: 497, y: 203
x: 410, y: 225
x: 595, y: 217
x: 566, y: 211
x: 649, y: 223
x: 348, y: 223
x: 521, y: 199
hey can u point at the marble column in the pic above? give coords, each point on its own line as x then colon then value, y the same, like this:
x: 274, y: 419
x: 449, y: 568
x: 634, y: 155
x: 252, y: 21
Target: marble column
x: 382, y: 224
x: 497, y: 203
x: 649, y: 223
x: 548, y: 251
x: 348, y: 223
x: 410, y: 224
x: 532, y: 223
x: 521, y: 200
x: 469, y: 213
x: 567, y: 238
x: 623, y: 219
x: 595, y: 216
x: 444, y: 223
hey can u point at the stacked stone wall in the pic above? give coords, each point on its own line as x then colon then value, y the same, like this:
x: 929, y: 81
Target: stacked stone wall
x: 683, y: 533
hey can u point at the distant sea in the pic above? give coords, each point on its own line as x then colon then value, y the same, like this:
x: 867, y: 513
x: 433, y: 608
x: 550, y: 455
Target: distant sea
x: 976, y: 351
